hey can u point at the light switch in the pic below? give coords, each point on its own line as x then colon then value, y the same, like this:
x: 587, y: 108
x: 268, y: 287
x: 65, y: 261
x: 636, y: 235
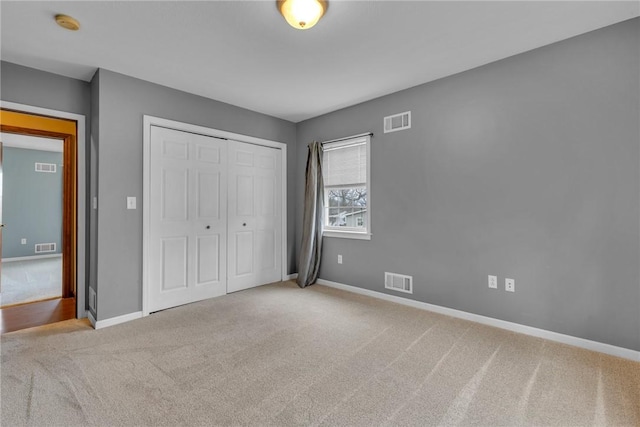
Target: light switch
x: 131, y: 202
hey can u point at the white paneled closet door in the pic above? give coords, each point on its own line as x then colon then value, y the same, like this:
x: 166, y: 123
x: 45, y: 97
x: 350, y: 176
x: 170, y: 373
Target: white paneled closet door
x: 187, y: 218
x: 254, y: 216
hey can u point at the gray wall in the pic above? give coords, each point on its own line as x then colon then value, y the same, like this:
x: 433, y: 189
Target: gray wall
x: 122, y: 102
x: 41, y: 89
x: 526, y: 168
x: 31, y: 202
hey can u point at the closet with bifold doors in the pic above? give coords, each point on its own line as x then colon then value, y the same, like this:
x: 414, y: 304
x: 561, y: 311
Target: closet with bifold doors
x: 214, y: 217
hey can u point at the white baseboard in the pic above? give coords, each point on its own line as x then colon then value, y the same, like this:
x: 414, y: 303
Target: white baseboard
x: 99, y: 324
x: 291, y: 276
x: 31, y: 257
x: 91, y: 319
x: 490, y: 321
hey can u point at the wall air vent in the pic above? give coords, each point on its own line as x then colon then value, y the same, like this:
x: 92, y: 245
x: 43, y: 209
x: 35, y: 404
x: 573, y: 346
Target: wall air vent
x: 398, y: 282
x: 46, y: 167
x: 45, y: 247
x: 92, y: 299
x: 397, y: 122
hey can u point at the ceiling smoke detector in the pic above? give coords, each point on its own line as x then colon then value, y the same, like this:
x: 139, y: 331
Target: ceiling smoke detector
x: 67, y: 22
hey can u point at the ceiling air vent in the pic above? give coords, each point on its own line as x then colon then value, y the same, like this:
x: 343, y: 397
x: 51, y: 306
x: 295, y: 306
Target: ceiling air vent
x: 46, y: 167
x: 398, y: 282
x: 397, y: 122
x: 45, y: 247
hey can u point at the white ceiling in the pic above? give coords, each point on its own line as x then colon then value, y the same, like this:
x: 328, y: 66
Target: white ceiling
x: 245, y: 54
x: 31, y: 142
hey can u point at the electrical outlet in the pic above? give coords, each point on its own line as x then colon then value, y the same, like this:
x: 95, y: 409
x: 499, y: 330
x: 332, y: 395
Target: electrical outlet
x: 23, y: 241
x: 493, y: 282
x: 339, y: 259
x: 509, y: 285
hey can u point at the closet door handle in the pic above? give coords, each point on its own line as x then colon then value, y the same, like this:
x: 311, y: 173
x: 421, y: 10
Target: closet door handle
x: 208, y: 227
x: 244, y: 224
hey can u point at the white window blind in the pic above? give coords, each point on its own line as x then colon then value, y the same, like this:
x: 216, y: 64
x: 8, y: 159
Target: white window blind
x: 346, y: 164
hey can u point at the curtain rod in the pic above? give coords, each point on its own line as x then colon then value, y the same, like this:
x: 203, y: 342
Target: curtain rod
x: 347, y: 137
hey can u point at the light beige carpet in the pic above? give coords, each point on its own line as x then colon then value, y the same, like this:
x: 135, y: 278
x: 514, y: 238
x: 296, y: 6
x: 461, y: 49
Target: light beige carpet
x: 283, y: 356
x: 30, y: 280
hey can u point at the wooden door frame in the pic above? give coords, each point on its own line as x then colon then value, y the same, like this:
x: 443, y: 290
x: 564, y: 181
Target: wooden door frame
x: 149, y: 121
x: 18, y: 122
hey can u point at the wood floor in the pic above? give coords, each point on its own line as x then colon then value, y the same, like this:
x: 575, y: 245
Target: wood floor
x: 36, y: 314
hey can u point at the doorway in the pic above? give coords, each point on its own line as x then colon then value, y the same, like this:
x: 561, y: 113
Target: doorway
x: 32, y: 211
x: 214, y: 213
x: 47, y: 131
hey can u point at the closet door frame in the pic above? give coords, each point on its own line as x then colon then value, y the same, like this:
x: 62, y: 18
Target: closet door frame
x: 149, y: 121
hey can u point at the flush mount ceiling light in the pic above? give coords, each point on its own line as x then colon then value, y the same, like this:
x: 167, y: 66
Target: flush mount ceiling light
x: 302, y: 14
x: 68, y: 22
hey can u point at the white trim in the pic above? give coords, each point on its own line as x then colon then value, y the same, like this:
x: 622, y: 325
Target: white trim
x: 346, y: 234
x: 146, y: 202
x: 92, y: 320
x: 31, y: 257
x: 99, y: 324
x: 490, y: 321
x: 290, y: 277
x: 283, y: 178
x: 149, y: 121
x: 187, y: 127
x: 81, y: 191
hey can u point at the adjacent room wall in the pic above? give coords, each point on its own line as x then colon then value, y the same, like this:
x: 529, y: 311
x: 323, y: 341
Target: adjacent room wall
x: 527, y: 168
x: 122, y: 102
x: 38, y: 216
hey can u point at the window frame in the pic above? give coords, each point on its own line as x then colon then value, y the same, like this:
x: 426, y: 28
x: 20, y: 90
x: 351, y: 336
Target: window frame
x: 350, y: 232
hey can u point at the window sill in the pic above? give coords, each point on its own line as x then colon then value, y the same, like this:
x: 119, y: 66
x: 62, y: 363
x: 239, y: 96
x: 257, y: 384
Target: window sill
x: 347, y: 234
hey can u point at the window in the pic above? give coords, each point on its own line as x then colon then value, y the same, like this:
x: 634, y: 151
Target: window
x: 345, y: 166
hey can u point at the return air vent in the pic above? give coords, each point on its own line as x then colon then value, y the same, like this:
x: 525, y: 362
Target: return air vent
x: 92, y: 299
x: 45, y: 247
x: 398, y: 282
x: 46, y: 167
x: 397, y: 122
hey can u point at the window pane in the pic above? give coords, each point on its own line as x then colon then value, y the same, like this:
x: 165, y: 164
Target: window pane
x: 357, y: 218
x: 333, y: 217
x: 354, y: 217
x: 348, y: 197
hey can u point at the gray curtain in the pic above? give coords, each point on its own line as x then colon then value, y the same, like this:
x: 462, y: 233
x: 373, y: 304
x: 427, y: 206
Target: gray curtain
x: 313, y: 218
